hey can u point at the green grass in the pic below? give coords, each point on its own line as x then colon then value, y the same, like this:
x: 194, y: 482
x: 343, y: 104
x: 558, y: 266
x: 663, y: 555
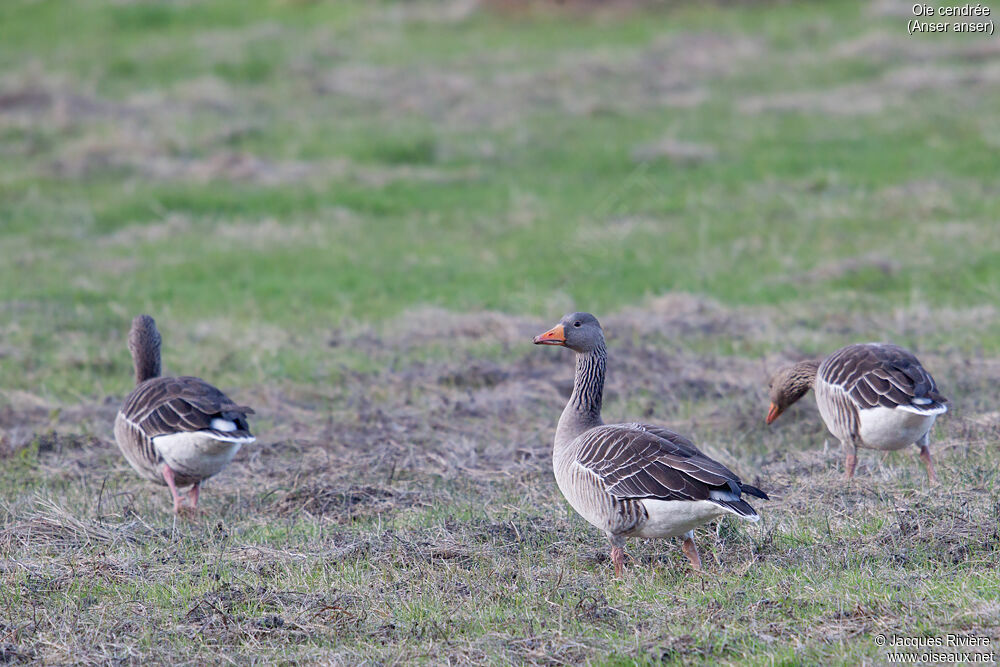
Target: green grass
x: 355, y: 214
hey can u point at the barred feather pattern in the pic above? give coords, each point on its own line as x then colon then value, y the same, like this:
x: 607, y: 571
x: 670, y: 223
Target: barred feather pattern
x: 881, y: 375
x: 872, y: 375
x: 138, y: 449
x: 636, y: 461
x: 164, y: 406
x: 588, y: 495
x: 588, y: 386
x: 839, y: 412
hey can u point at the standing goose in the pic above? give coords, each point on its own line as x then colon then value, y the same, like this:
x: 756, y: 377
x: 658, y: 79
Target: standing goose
x: 873, y: 395
x: 632, y: 480
x: 177, y: 431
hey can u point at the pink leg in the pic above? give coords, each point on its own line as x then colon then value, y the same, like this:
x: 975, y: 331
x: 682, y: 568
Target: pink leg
x: 618, y: 558
x: 691, y: 551
x: 617, y: 553
x: 851, y: 460
x: 168, y: 475
x: 925, y: 456
x: 850, y: 464
x: 193, y: 494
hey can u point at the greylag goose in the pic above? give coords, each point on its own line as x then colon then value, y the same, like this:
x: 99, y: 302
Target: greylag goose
x: 632, y: 480
x: 177, y: 431
x: 872, y: 395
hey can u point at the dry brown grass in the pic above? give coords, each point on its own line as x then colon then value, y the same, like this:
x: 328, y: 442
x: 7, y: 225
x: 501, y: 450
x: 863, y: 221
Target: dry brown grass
x: 670, y: 72
x: 410, y: 514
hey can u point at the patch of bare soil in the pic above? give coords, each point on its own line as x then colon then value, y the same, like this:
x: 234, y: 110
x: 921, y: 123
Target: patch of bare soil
x: 897, y: 8
x: 510, y: 536
x: 599, y: 9
x: 35, y: 98
x: 59, y: 444
x: 433, y: 12
x: 673, y: 150
x: 846, y: 100
x: 677, y: 314
x: 607, y: 7
x: 261, y: 612
x: 12, y: 655
x: 346, y: 503
x: 30, y: 101
x: 150, y: 232
x: 26, y: 418
x: 887, y: 47
x: 892, y: 89
x: 144, y: 156
x: 670, y: 72
x: 846, y: 267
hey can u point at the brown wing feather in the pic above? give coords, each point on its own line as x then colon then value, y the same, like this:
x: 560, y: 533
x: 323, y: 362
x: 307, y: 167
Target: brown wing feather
x: 182, y: 404
x: 881, y: 375
x: 640, y: 461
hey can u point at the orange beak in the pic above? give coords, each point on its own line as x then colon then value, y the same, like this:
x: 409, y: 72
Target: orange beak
x: 773, y: 413
x: 554, y: 336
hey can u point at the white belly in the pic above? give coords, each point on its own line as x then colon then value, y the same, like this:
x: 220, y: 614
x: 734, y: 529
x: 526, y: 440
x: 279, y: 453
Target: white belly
x: 673, y: 518
x: 888, y: 428
x: 196, y: 453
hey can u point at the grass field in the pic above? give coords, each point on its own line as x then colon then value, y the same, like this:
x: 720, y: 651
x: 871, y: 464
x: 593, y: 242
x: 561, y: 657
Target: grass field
x: 353, y: 217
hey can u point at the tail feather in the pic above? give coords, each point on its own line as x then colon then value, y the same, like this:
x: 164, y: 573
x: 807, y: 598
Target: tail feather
x: 230, y: 436
x: 739, y: 507
x: 753, y: 491
x: 930, y: 408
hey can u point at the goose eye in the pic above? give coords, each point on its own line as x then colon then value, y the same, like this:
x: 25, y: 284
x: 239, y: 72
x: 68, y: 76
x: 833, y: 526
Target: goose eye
x: 576, y: 324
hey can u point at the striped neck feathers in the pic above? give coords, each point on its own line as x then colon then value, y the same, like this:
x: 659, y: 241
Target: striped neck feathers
x: 583, y: 411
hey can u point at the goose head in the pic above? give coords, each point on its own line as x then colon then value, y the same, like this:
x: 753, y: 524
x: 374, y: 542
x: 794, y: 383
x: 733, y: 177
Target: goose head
x: 789, y: 385
x: 580, y: 332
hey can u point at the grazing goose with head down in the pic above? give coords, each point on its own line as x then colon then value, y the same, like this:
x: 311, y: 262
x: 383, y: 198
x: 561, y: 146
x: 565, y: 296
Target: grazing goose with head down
x: 177, y: 431
x: 632, y: 480
x: 872, y: 395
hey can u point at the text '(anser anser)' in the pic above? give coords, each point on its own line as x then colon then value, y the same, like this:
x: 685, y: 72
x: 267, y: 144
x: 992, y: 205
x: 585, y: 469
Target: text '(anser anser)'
x: 177, y: 431
x: 632, y: 480
x: 872, y: 395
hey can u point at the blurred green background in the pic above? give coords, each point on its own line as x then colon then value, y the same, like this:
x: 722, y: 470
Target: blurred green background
x: 298, y: 166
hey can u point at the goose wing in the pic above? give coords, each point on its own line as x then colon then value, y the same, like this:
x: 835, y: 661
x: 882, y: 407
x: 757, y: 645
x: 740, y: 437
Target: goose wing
x: 163, y: 406
x: 636, y: 461
x: 883, y: 375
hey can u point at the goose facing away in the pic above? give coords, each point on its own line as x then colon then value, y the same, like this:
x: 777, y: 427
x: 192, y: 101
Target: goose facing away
x: 632, y: 480
x: 872, y: 395
x: 177, y: 431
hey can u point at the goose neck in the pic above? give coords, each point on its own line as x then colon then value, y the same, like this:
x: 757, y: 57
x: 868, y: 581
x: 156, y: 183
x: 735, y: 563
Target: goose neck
x: 583, y: 411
